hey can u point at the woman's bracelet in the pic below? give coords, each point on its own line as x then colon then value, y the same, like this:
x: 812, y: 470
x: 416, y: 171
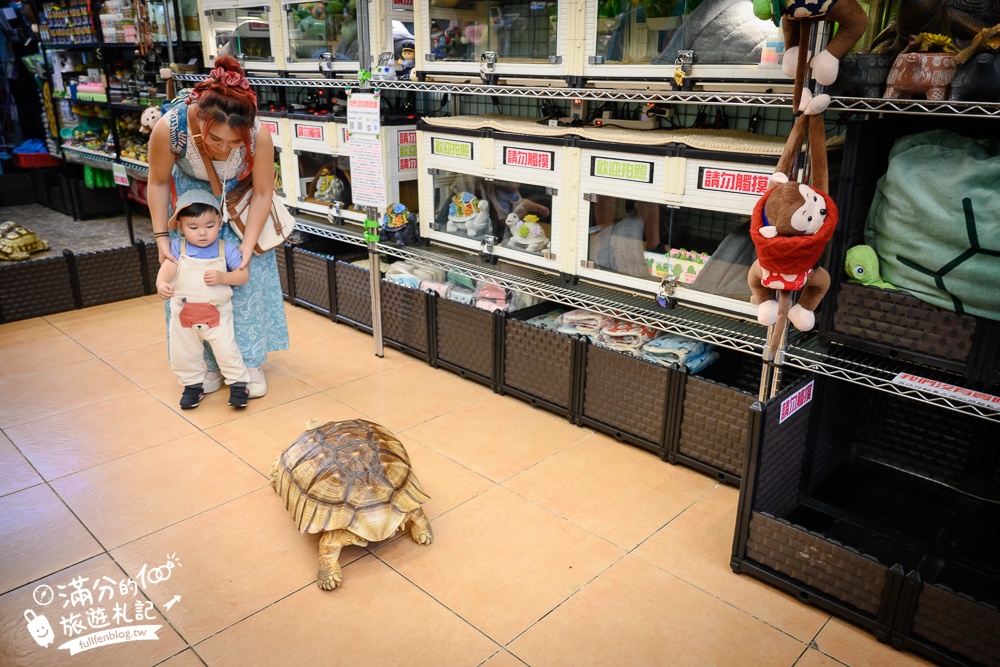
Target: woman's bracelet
x: 159, y: 234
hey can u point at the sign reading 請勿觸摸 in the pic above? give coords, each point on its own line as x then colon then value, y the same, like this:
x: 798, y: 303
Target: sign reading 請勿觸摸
x: 452, y: 148
x: 621, y: 170
x: 365, y: 149
x: 796, y: 401
x: 727, y: 180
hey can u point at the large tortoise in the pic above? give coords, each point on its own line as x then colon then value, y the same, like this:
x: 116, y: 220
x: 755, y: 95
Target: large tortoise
x: 351, y: 481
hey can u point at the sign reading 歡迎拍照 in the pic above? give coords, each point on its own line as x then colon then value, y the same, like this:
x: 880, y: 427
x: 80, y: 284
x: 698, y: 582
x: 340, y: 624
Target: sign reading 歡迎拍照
x: 622, y: 170
x: 451, y: 148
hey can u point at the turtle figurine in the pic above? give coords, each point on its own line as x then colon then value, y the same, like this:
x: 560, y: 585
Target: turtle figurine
x: 17, y: 242
x: 351, y: 481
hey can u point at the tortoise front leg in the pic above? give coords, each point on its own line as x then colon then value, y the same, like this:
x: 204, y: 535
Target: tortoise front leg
x: 330, y: 544
x: 420, y: 527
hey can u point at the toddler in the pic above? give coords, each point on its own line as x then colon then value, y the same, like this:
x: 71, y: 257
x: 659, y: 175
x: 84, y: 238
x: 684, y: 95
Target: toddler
x: 199, y: 286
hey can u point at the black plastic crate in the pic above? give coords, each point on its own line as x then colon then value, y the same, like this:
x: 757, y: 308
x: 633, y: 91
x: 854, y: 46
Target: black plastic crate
x: 406, y: 317
x: 886, y: 322
x: 538, y: 365
x: 466, y: 340
x: 715, y: 417
x: 35, y: 287
x: 88, y: 203
x: 105, y: 276
x: 353, y: 293
x: 17, y: 189
x: 846, y: 489
x: 630, y: 399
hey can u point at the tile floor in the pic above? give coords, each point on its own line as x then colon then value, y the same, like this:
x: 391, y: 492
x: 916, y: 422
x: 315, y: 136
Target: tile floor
x: 553, y: 545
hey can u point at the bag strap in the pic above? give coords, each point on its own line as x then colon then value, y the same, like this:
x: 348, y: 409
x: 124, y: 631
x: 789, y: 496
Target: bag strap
x: 194, y: 131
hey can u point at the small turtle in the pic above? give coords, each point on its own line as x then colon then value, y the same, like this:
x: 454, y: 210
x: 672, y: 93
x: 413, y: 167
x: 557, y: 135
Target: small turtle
x: 17, y: 242
x: 351, y: 481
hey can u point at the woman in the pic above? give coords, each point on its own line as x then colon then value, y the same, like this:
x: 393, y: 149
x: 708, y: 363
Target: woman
x: 223, y: 110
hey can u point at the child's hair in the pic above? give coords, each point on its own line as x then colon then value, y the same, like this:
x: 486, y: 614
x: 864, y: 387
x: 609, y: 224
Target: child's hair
x: 196, y: 210
x: 225, y: 96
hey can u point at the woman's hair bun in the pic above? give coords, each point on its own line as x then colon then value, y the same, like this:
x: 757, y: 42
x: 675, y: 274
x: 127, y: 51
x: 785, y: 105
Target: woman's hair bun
x: 229, y: 64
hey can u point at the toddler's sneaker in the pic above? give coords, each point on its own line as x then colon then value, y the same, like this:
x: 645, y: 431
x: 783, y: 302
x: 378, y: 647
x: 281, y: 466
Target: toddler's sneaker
x: 257, y: 384
x: 238, y: 394
x: 191, y: 397
x: 213, y: 382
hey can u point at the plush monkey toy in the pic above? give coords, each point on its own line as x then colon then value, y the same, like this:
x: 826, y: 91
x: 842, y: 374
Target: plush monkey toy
x: 797, y: 16
x: 791, y: 225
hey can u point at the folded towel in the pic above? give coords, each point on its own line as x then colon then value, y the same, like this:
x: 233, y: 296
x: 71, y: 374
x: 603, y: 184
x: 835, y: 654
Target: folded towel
x: 625, y: 336
x: 675, y: 349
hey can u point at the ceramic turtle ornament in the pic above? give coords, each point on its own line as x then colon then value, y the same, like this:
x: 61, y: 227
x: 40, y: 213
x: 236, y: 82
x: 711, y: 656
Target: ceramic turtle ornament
x: 17, y: 242
x: 352, y: 482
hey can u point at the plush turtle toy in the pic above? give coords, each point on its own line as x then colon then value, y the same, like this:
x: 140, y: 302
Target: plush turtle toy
x: 861, y: 264
x: 352, y: 482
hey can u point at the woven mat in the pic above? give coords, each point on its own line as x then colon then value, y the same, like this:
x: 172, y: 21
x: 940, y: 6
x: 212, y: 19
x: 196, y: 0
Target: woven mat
x: 726, y: 141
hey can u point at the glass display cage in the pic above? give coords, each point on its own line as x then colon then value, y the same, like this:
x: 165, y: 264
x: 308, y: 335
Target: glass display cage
x: 520, y: 37
x: 498, y: 195
x: 312, y: 29
x: 674, y: 224
x: 242, y: 28
x: 644, y: 39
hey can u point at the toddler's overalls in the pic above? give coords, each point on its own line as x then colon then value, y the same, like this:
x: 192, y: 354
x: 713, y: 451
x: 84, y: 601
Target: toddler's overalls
x: 200, y: 312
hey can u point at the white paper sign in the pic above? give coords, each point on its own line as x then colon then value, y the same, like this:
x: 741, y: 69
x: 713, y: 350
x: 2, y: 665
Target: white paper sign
x: 365, y: 149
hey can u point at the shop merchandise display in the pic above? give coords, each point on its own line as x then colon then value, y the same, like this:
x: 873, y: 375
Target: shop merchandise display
x: 352, y: 482
x: 861, y: 264
x: 17, y: 242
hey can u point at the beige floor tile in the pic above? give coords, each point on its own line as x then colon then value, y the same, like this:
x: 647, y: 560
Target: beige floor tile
x: 139, y: 494
x: 259, y: 438
x: 187, y: 658
x: 409, y: 394
x: 18, y: 648
x: 77, y: 439
x: 214, y: 409
x: 29, y: 396
x: 502, y: 562
x: 639, y: 492
x: 498, y: 436
x: 503, y: 659
x: 697, y: 547
x: 637, y: 614
x: 377, y: 618
x: 813, y: 658
x: 147, y: 366
x: 858, y: 648
x: 228, y: 571
x: 330, y: 360
x: 17, y: 472
x: 106, y: 331
x: 34, y: 345
x: 39, y: 536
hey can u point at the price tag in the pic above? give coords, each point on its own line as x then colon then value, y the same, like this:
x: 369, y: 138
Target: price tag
x: 121, y: 176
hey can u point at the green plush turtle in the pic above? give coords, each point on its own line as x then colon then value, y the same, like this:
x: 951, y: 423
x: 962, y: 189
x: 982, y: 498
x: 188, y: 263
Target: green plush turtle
x: 17, y: 242
x: 861, y: 265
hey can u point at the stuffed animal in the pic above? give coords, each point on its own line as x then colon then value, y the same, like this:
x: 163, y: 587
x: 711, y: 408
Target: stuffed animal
x: 791, y: 225
x: 148, y: 119
x: 861, y: 264
x: 798, y: 16
x: 526, y: 234
x: 469, y: 214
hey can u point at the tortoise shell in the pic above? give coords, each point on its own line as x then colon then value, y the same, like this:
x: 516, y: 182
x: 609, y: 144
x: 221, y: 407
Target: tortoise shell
x: 17, y: 242
x: 351, y: 475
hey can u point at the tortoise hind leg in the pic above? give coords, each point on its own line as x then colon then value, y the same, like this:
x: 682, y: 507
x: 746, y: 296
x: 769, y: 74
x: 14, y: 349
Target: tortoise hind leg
x: 330, y: 544
x: 420, y: 527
